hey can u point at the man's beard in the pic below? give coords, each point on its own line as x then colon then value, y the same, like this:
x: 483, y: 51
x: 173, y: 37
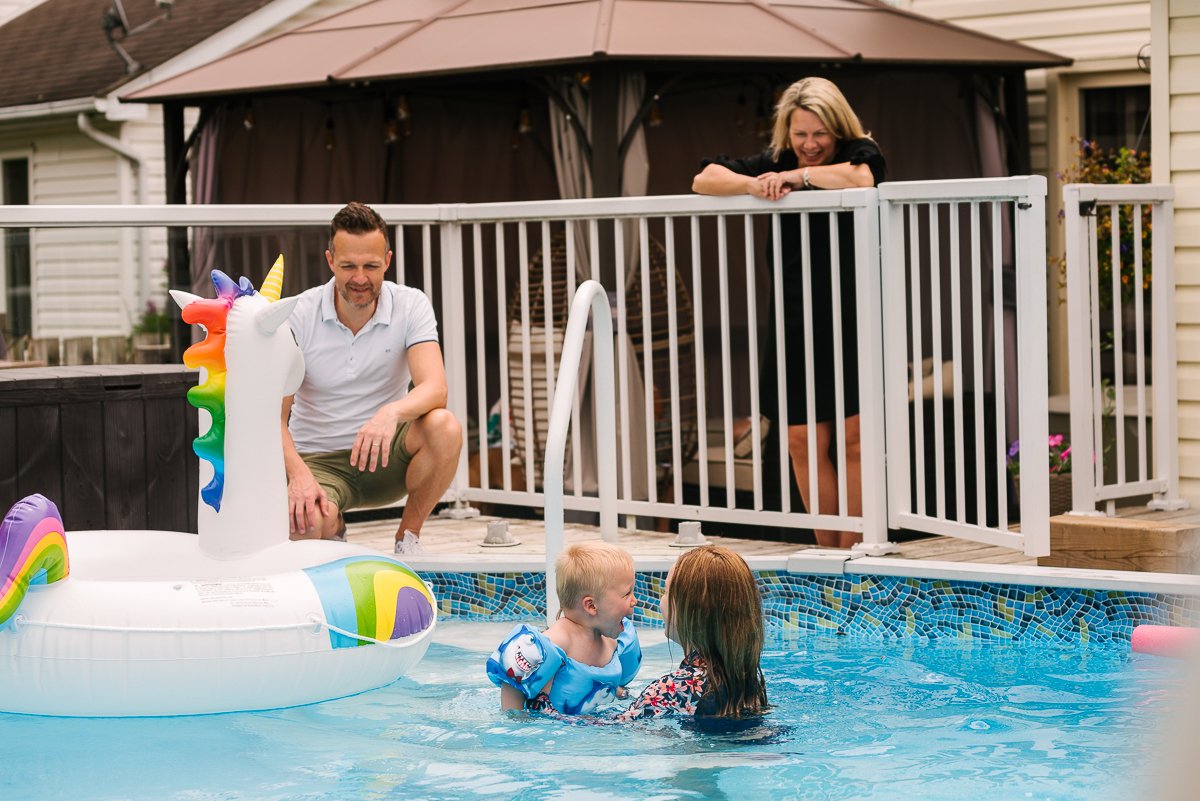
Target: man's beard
x: 345, y: 293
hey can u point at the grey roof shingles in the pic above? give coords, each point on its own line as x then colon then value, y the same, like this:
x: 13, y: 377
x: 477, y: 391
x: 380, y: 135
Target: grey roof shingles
x: 57, y: 50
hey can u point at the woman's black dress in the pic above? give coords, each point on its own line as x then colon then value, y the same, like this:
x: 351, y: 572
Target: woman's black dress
x: 854, y: 151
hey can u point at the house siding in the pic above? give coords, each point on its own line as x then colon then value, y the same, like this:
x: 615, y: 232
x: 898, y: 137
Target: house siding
x: 1183, y: 97
x: 85, y: 281
x: 1100, y: 36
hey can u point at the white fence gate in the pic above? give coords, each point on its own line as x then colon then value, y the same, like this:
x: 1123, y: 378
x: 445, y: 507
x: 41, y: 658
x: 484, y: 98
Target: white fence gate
x: 945, y: 244
x: 1119, y: 219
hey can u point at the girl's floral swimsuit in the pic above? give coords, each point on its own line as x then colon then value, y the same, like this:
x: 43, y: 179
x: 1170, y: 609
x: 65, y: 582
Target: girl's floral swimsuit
x: 678, y: 692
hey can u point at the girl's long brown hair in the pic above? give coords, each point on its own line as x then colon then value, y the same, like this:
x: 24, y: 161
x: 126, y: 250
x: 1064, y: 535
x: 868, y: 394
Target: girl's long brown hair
x: 714, y: 608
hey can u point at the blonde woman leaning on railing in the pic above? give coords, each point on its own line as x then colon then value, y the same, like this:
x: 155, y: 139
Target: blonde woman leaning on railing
x: 817, y: 143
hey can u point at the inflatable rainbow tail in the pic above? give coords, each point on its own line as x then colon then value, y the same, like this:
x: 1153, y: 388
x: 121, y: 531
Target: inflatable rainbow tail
x: 33, y: 550
x: 371, y: 599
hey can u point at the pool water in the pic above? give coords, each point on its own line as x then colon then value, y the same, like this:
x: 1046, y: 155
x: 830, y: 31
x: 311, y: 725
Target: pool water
x: 851, y: 719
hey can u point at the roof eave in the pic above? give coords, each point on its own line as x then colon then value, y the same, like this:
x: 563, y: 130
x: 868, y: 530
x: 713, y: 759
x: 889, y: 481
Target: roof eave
x: 583, y: 61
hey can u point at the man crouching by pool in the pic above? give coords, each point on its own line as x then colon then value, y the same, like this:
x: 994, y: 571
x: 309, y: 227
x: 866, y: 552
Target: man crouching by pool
x: 354, y: 434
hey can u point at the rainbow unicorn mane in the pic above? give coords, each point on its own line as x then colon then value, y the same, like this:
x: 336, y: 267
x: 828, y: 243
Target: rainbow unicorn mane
x: 33, y: 550
x: 210, y: 396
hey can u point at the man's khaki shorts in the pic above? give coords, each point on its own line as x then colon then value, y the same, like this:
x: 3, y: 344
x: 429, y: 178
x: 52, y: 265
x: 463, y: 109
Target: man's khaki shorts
x: 351, y: 488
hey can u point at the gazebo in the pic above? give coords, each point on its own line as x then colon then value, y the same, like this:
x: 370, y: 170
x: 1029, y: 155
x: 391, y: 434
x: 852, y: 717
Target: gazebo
x: 450, y: 81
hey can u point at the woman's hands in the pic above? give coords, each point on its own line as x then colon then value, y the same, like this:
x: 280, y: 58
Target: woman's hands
x: 773, y: 185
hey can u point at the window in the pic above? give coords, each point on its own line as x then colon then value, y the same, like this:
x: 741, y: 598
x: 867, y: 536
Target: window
x: 1117, y: 116
x: 18, y: 306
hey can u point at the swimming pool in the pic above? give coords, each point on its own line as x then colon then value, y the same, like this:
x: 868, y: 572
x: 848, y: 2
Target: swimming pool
x: 853, y: 719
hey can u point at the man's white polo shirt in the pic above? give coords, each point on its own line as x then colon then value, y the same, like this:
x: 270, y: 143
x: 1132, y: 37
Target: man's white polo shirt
x: 347, y: 377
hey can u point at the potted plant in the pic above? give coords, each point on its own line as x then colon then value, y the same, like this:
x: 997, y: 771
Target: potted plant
x: 150, y: 340
x: 1060, y: 472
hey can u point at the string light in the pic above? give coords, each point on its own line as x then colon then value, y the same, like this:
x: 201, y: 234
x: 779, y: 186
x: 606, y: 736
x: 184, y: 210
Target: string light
x: 329, y: 137
x: 248, y: 118
x: 654, y: 118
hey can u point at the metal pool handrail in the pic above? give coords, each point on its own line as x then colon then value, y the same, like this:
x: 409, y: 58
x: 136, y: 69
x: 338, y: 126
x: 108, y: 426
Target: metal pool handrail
x: 590, y: 293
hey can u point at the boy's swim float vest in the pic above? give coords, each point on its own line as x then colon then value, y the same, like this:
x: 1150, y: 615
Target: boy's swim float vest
x: 527, y: 659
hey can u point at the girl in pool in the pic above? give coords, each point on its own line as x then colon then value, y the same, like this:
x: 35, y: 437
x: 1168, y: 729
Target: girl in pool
x: 711, y: 607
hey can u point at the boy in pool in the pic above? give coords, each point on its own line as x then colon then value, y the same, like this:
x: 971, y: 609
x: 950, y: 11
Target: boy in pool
x: 585, y: 659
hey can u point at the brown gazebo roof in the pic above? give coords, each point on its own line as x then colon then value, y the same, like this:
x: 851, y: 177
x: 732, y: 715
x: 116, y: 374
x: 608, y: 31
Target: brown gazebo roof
x: 390, y: 39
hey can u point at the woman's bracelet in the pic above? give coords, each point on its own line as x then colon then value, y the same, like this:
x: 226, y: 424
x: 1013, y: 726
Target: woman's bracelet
x: 804, y: 178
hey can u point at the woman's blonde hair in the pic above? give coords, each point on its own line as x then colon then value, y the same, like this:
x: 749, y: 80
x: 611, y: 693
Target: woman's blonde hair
x: 714, y: 608
x: 821, y: 97
x: 588, y: 568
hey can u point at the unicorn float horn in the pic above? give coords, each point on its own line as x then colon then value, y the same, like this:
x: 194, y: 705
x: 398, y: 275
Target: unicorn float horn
x: 251, y: 362
x: 272, y: 285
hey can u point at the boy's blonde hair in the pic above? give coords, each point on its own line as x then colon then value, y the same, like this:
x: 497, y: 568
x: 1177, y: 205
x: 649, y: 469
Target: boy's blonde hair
x: 821, y: 97
x: 587, y: 568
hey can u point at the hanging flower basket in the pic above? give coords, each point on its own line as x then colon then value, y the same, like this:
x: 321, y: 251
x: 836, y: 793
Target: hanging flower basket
x: 1060, y: 492
x: 1060, y: 473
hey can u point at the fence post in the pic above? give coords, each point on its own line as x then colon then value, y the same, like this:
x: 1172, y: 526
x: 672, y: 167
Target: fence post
x: 895, y: 355
x: 870, y: 374
x: 454, y: 327
x: 1079, y: 353
x: 1032, y: 381
x: 1162, y: 304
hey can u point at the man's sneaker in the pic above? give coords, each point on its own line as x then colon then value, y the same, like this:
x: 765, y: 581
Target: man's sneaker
x: 410, y: 545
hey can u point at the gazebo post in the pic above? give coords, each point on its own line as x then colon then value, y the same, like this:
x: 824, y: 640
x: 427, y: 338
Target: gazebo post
x: 606, y: 165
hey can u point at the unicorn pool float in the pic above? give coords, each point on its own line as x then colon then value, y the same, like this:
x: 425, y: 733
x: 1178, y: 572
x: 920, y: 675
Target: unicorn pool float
x: 99, y: 623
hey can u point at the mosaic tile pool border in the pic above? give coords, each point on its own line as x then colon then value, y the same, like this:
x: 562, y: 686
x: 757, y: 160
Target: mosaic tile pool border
x: 883, y: 607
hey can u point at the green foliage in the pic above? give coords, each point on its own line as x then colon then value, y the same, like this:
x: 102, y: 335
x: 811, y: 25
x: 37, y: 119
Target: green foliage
x: 153, y: 321
x: 1121, y: 166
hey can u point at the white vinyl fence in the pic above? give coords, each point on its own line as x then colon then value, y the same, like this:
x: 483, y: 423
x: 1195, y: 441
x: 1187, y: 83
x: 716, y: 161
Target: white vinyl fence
x: 702, y: 363
x: 702, y: 269
x: 946, y: 246
x: 1121, y: 289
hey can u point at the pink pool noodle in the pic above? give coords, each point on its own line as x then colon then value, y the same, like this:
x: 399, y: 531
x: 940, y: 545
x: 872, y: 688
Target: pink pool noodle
x: 1165, y: 640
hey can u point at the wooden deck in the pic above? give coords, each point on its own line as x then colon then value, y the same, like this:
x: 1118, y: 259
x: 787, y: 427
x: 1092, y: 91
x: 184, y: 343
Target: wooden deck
x: 444, y: 537
x: 1136, y: 538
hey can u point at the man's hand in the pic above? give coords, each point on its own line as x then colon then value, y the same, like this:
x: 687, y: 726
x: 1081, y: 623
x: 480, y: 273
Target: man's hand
x: 305, y: 498
x: 373, y: 444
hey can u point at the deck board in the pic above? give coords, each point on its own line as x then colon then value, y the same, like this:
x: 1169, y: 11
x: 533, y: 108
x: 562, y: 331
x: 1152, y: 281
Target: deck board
x: 447, y: 537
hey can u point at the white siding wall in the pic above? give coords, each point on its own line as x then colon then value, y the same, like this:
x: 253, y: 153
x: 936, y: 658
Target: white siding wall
x: 146, y: 137
x: 1102, y: 36
x: 1183, y: 97
x: 11, y: 8
x: 85, y: 281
